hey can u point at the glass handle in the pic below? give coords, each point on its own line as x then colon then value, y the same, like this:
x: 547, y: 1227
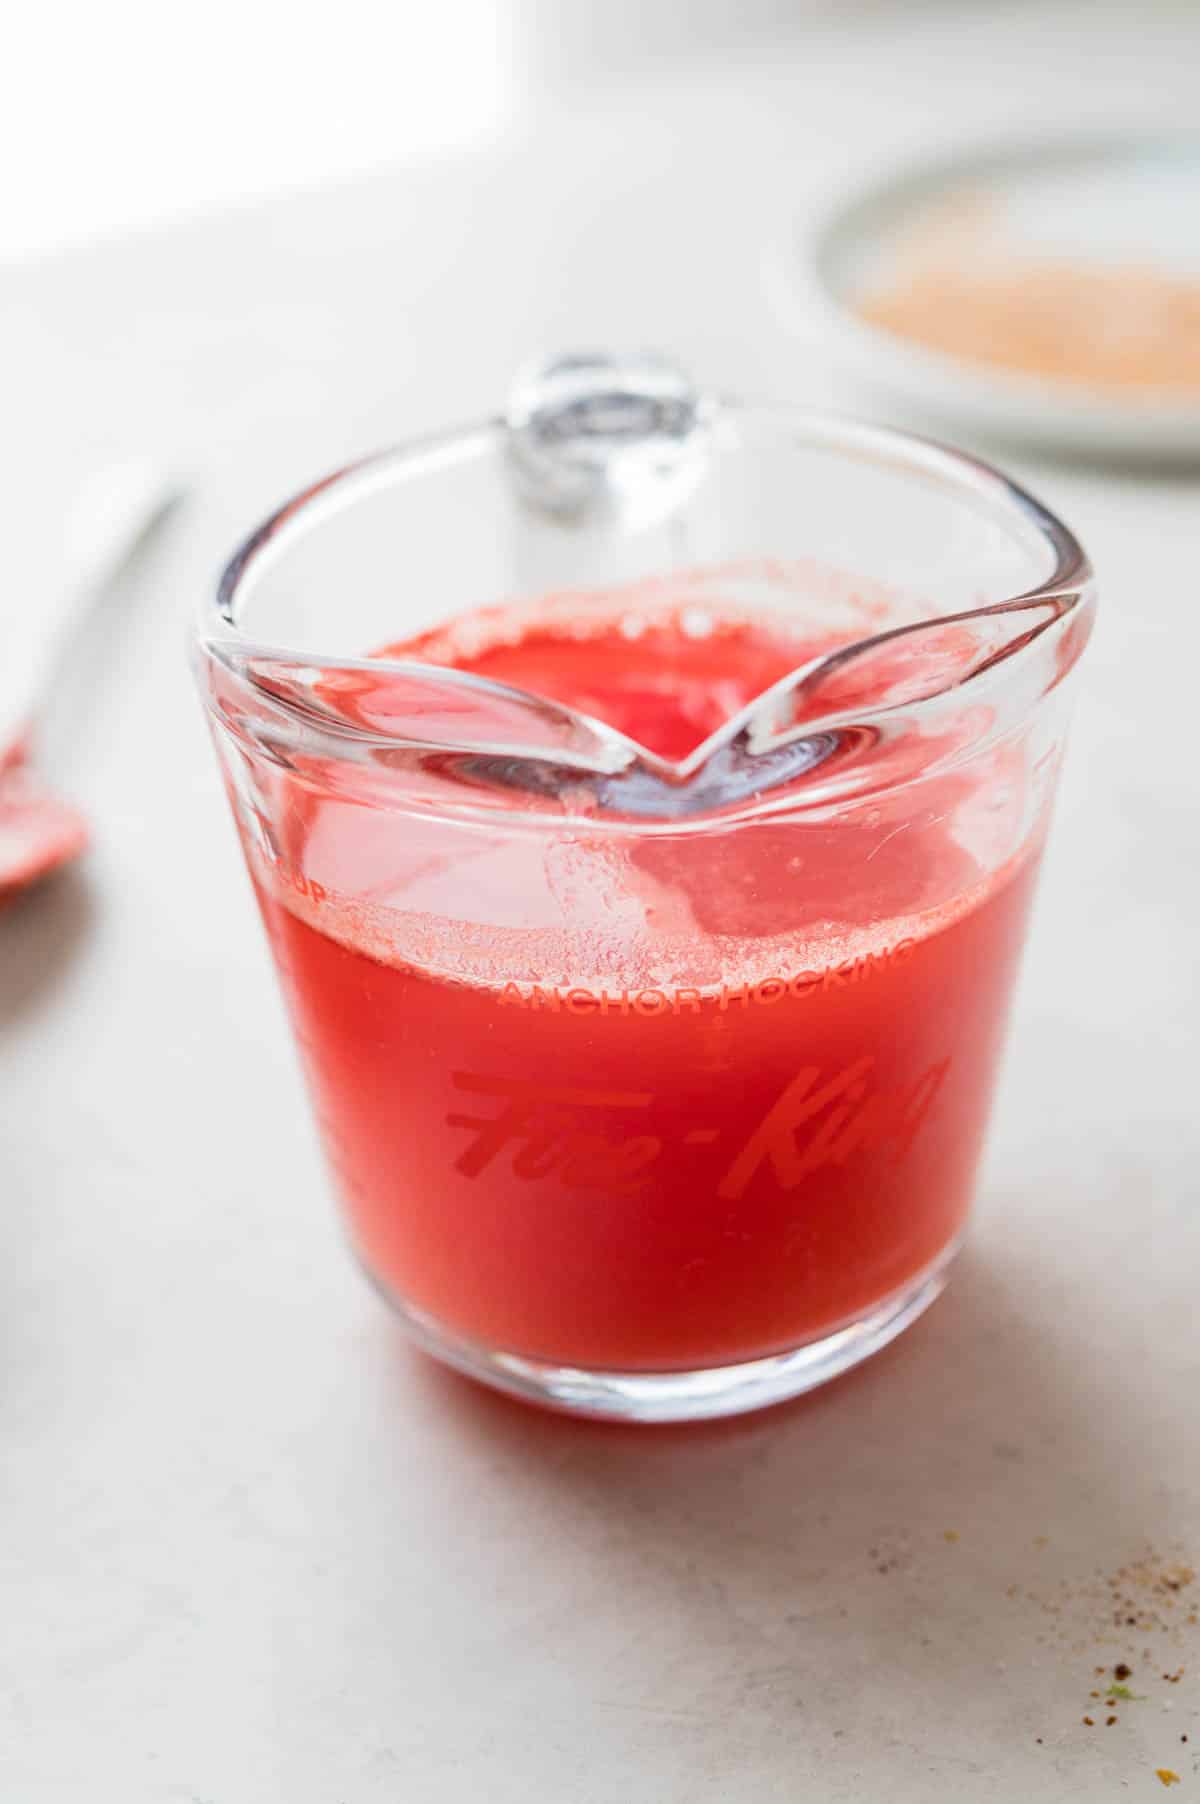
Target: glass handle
x: 594, y: 437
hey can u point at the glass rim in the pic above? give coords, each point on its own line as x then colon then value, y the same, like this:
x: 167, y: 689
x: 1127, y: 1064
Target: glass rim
x: 960, y: 472
x: 281, y: 679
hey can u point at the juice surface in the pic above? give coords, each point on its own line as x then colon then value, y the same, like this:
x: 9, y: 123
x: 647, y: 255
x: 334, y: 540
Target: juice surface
x: 653, y: 1101
x: 666, y: 678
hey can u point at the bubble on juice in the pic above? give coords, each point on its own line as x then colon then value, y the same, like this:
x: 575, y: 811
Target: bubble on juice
x: 596, y: 920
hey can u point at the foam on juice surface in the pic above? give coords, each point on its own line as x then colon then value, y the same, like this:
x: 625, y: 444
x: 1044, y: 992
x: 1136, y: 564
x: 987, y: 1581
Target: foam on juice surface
x: 455, y: 948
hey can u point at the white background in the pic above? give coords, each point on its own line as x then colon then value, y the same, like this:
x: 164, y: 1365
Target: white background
x: 119, y: 115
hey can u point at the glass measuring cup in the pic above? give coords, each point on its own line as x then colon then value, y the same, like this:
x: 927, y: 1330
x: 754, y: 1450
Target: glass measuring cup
x: 653, y: 1075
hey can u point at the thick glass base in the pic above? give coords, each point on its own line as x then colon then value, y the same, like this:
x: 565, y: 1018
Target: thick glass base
x: 726, y: 1390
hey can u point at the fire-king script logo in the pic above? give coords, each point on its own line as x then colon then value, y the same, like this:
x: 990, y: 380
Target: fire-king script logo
x: 818, y: 1121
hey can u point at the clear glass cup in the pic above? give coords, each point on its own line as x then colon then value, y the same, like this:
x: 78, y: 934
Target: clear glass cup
x: 654, y: 1086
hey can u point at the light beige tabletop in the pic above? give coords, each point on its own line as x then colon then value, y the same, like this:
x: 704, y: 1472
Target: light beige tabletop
x: 252, y: 1549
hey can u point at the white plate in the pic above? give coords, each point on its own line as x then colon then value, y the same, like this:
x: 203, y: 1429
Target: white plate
x: 1113, y: 199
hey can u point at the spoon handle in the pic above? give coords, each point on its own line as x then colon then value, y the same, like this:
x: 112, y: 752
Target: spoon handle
x: 117, y: 512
